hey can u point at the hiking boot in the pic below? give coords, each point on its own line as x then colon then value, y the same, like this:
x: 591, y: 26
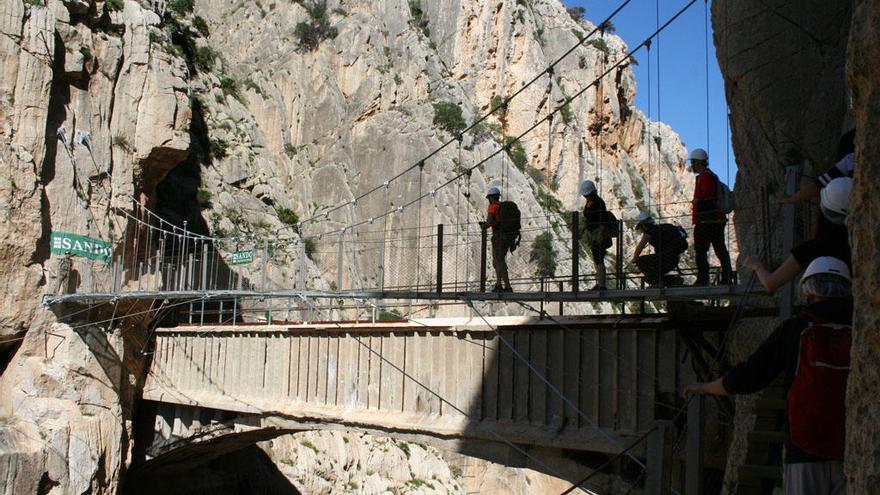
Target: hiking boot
x: 674, y: 281
x: 508, y: 289
x: 599, y: 287
x: 497, y: 288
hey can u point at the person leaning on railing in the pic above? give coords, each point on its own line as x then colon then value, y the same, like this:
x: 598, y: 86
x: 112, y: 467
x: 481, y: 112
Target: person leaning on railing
x: 812, y: 350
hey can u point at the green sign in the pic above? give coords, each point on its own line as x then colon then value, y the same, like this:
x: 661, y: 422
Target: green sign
x: 80, y: 245
x: 242, y: 257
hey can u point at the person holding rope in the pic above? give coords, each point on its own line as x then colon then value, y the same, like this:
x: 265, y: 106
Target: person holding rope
x: 844, y: 167
x: 600, y: 227
x: 708, y: 219
x: 812, y: 349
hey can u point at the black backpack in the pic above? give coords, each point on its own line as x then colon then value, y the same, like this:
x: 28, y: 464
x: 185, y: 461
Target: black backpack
x: 509, y: 222
x: 676, y: 237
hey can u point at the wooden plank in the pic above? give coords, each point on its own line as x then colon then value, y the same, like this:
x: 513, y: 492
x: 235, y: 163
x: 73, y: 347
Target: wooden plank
x: 320, y: 396
x: 491, y: 355
x: 332, y: 383
x: 470, y: 377
x: 645, y: 379
x: 555, y: 370
x: 521, y: 382
x: 363, y: 369
x: 627, y: 387
x: 292, y: 367
x: 305, y: 361
x: 437, y: 366
x: 607, y: 378
x: 376, y: 371
x: 571, y: 378
x: 455, y: 365
x: 537, y: 388
x: 348, y: 366
x: 506, y: 372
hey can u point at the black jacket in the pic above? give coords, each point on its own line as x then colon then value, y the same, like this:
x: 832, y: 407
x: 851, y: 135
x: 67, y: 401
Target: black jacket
x: 781, y: 353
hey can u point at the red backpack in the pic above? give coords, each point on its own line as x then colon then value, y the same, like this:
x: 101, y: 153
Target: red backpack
x: 817, y: 397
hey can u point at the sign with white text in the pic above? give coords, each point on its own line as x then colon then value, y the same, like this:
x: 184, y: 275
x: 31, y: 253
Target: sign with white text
x: 242, y: 257
x: 82, y: 246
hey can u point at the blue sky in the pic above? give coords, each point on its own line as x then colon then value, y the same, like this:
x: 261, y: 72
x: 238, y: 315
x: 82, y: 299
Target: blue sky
x: 680, y: 55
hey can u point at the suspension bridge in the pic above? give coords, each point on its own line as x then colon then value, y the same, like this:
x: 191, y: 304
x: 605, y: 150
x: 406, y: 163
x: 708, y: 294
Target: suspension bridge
x: 351, y: 326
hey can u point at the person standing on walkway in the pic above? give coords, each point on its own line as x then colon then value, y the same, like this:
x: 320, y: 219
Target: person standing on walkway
x: 501, y: 242
x: 709, y: 221
x: 600, y: 226
x: 812, y: 349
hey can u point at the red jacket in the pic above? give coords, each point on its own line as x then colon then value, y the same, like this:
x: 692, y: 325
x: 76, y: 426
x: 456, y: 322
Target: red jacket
x: 705, y: 204
x: 493, y: 215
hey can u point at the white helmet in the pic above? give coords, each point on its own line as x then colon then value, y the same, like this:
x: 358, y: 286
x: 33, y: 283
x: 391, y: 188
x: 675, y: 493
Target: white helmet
x: 827, y: 264
x: 643, y: 217
x: 493, y: 191
x: 835, y: 197
x: 696, y: 154
x: 587, y: 188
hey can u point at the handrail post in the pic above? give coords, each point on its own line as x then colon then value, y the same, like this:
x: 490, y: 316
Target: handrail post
x: 484, y: 238
x: 439, y: 258
x: 621, y: 281
x: 694, y: 467
x: 659, y: 459
x: 788, y: 232
x: 575, y: 252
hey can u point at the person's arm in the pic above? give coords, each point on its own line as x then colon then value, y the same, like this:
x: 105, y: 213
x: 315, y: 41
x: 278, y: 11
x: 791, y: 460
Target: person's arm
x: 776, y: 279
x: 808, y: 191
x: 715, y: 387
x: 641, y: 246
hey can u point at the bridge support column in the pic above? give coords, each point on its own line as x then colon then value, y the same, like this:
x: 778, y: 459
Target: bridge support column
x: 694, y: 467
x: 575, y: 252
x: 484, y: 238
x: 439, y: 258
x: 658, y: 479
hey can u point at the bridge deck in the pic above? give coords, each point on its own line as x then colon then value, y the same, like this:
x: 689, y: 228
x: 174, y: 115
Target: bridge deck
x: 610, y: 295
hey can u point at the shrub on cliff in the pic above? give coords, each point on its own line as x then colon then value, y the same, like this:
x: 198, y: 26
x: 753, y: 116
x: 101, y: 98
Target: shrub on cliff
x: 317, y: 29
x: 447, y: 116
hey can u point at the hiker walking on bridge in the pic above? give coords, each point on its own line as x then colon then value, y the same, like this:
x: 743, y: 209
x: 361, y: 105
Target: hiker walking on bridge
x: 600, y: 227
x: 813, y: 351
x: 504, y: 219
x: 708, y: 219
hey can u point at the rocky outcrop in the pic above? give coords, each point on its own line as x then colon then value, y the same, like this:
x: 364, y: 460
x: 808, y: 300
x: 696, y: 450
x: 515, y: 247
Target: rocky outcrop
x: 863, y: 433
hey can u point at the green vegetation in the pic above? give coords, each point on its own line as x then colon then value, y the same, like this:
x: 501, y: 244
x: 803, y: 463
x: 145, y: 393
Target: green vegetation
x: 544, y: 254
x: 121, y: 141
x: 203, y: 197
x: 547, y: 201
x: 311, y: 33
x: 415, y: 482
x: 578, y: 34
x: 599, y: 44
x: 582, y: 62
x: 201, y: 26
x: 230, y: 87
x: 576, y: 13
x: 309, y: 445
x: 181, y: 7
x: 565, y: 112
x: 310, y: 246
x: 219, y: 148
x: 516, y: 152
x: 389, y: 315
x: 608, y: 27
x: 447, y: 116
x: 250, y: 84
x: 405, y: 448
x: 86, y: 52
x: 114, y: 5
x: 498, y: 102
x: 340, y: 12
x: 34, y: 3
x: 204, y: 58
x: 419, y: 19
x: 286, y: 216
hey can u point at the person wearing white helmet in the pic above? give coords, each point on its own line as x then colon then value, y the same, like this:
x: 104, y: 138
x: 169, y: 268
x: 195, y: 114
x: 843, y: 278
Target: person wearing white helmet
x: 812, y: 351
x: 708, y: 220
x: 844, y: 166
x: 669, y: 242
x: 600, y: 227
x: 831, y: 238
x: 501, y: 243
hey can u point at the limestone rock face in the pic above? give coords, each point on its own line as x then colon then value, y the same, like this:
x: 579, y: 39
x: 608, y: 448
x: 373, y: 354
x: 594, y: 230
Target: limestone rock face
x: 863, y: 433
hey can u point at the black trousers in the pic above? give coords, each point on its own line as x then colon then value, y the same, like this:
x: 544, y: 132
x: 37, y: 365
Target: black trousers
x: 706, y: 234
x: 654, y: 266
